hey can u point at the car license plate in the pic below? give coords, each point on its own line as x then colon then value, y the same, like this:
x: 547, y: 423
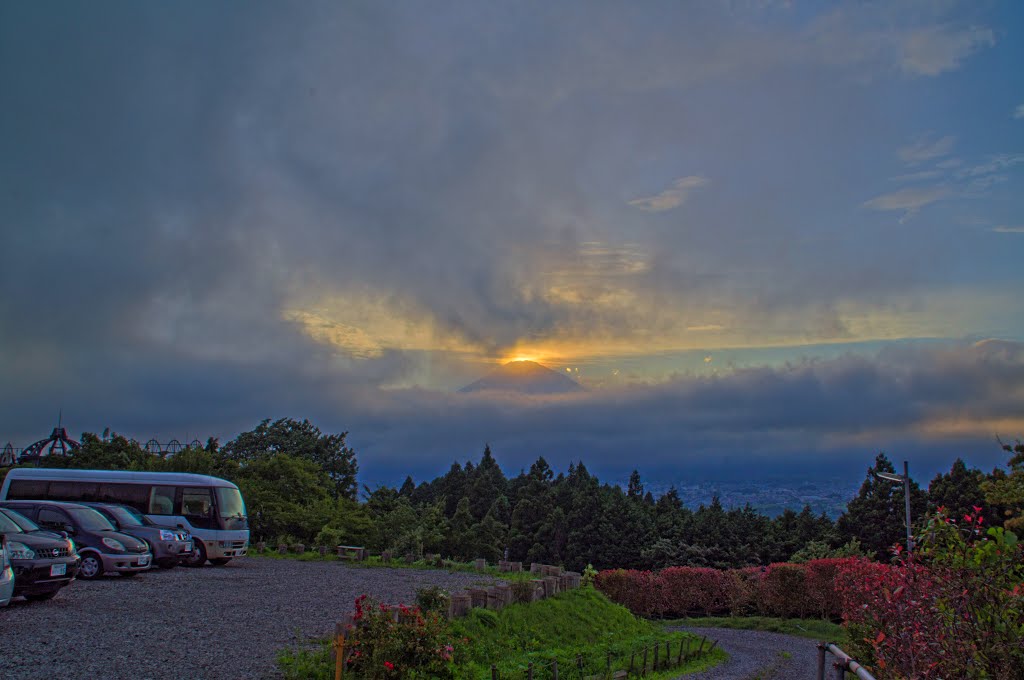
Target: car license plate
x: 58, y: 569
x: 144, y: 560
x: 188, y: 547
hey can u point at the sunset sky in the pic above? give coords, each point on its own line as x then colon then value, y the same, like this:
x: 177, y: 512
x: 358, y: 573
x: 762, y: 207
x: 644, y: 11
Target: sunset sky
x: 763, y: 235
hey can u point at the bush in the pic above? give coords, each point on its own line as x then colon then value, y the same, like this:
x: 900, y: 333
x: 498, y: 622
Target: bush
x: 414, y: 646
x: 693, y: 591
x: 955, y: 609
x: 784, y: 591
x: 433, y: 599
x: 522, y: 591
x: 744, y: 591
x: 633, y: 589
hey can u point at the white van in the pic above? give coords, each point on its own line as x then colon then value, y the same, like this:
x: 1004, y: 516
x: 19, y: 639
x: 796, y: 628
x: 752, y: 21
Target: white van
x: 211, y: 509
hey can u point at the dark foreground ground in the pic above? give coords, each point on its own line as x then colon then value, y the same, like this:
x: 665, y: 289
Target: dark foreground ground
x: 215, y: 622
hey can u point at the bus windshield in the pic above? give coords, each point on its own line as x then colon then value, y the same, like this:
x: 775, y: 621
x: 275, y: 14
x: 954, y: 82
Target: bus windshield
x: 230, y: 503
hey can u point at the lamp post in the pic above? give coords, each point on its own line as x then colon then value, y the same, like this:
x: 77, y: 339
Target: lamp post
x: 905, y: 478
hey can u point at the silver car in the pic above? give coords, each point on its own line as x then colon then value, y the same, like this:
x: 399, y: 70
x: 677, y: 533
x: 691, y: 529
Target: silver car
x: 6, y: 575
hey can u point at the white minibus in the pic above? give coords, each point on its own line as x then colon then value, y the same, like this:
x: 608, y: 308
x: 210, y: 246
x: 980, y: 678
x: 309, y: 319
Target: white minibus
x: 211, y: 509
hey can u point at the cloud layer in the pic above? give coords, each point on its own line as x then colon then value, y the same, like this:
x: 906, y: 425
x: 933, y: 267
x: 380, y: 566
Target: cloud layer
x: 216, y: 213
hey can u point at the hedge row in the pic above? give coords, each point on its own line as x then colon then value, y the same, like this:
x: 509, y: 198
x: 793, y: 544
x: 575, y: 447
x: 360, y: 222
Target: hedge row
x: 781, y: 589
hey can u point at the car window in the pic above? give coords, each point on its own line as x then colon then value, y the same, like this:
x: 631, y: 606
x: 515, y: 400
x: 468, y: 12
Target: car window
x: 90, y: 520
x: 52, y: 518
x: 8, y: 526
x: 20, y: 519
x: 123, y: 517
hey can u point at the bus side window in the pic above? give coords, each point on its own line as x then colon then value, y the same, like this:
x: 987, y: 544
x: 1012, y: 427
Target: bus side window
x: 26, y: 490
x: 196, y: 502
x: 72, y: 491
x: 134, y: 495
x: 161, y: 501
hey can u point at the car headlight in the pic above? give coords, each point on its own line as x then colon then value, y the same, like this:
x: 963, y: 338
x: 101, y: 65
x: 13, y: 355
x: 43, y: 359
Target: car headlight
x: 20, y: 551
x: 114, y: 544
x: 166, y: 535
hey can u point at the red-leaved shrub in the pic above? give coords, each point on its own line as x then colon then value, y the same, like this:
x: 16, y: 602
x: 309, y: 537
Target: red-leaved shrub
x: 744, y: 590
x: 784, y: 591
x: 636, y: 590
x: 693, y: 591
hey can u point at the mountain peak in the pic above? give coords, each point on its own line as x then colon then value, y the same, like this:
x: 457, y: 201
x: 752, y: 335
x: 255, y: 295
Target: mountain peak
x: 524, y: 377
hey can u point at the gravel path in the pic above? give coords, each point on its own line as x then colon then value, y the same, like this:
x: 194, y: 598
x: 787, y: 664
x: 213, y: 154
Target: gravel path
x: 215, y: 622
x: 756, y: 654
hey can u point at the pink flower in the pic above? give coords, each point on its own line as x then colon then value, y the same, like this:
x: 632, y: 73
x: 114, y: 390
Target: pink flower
x: 390, y: 666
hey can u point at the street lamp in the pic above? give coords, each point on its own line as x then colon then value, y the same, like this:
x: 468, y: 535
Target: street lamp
x: 905, y: 479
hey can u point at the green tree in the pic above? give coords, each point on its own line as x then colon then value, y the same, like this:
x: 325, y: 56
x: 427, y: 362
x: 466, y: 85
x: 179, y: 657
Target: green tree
x: 1006, y: 490
x: 300, y: 439
x: 286, y: 497
x: 876, y: 517
x: 959, y: 491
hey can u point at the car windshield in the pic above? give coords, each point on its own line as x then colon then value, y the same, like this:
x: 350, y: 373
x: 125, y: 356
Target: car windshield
x: 8, y: 526
x: 90, y: 520
x: 124, y: 517
x: 230, y: 503
x: 137, y: 516
x: 24, y: 522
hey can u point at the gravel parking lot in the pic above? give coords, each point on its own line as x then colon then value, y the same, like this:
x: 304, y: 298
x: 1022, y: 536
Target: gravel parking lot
x: 215, y: 622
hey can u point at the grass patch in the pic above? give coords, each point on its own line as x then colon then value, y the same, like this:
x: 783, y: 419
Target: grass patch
x: 815, y: 629
x: 581, y: 624
x: 578, y: 625
x: 374, y: 562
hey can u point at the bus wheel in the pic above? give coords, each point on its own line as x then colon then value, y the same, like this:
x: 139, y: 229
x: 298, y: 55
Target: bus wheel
x: 219, y: 561
x: 198, y: 558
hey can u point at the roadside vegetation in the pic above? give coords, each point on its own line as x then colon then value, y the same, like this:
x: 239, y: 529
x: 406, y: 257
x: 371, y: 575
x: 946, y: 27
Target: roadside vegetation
x: 580, y: 630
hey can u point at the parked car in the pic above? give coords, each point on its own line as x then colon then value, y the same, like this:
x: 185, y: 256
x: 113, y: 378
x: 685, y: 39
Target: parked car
x: 101, y: 548
x: 6, y: 574
x: 43, y: 563
x: 169, y: 546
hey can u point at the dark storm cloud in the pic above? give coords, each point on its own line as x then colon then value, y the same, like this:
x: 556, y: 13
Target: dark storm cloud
x: 175, y: 178
x: 834, y: 412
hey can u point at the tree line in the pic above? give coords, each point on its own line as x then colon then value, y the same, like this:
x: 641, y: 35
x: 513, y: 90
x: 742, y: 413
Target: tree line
x: 300, y: 486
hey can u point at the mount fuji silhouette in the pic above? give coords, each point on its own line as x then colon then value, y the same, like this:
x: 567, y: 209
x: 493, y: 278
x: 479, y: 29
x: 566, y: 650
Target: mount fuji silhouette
x: 524, y: 377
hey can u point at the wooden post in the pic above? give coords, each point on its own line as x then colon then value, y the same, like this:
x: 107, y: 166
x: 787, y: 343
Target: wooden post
x: 608, y: 665
x: 656, y: 648
x: 339, y: 651
x: 840, y: 670
x: 632, y: 655
x: 821, y: 661
x: 679, y: 659
x: 529, y: 671
x: 643, y: 671
x: 554, y: 669
x: 700, y: 649
x: 494, y: 672
x: 668, y: 654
